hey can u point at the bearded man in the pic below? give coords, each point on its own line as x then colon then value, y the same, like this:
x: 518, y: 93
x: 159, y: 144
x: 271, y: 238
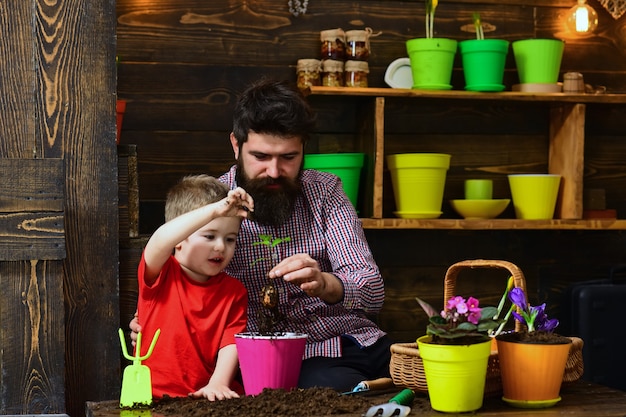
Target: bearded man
x: 328, y: 282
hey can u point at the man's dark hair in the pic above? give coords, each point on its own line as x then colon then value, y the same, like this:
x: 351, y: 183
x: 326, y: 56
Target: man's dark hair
x: 272, y: 107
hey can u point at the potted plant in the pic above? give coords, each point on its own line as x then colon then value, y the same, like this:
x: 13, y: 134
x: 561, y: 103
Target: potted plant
x: 431, y: 58
x: 270, y: 358
x: 455, y: 352
x: 532, y: 361
x: 483, y: 60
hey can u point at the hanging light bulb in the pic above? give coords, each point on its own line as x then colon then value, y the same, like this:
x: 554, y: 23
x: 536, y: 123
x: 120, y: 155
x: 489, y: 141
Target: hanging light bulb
x: 582, y: 19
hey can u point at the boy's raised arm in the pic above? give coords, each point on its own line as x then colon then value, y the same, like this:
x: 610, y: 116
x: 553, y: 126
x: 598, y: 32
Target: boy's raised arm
x: 165, y: 238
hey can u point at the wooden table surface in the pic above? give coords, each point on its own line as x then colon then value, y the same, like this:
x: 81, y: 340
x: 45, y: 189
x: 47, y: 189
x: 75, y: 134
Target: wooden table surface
x: 580, y: 399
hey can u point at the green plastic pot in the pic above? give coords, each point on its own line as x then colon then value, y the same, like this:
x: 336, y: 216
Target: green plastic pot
x: 347, y: 166
x: 483, y: 63
x: 431, y: 60
x: 538, y: 61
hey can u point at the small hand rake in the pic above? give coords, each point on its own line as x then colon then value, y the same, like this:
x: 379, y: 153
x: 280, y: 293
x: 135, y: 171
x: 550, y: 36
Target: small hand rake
x: 398, y: 406
x: 136, y: 381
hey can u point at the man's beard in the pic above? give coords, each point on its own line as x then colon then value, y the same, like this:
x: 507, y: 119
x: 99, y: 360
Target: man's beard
x: 274, y: 198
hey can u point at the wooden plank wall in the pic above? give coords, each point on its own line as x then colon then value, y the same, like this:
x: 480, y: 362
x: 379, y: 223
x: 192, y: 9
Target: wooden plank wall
x: 184, y: 61
x: 59, y: 301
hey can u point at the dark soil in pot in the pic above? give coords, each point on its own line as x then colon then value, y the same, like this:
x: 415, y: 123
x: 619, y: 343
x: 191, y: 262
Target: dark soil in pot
x: 541, y: 338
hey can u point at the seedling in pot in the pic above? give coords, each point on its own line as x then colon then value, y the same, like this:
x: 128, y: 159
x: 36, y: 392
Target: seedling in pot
x: 269, y: 318
x: 478, y: 26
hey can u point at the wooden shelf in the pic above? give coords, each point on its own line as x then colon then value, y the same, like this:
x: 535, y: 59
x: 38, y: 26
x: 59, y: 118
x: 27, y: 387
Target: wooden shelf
x: 469, y: 95
x: 495, y: 224
x: 566, y: 113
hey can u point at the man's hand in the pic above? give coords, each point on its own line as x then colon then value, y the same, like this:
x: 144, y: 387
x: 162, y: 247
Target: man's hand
x: 304, y: 271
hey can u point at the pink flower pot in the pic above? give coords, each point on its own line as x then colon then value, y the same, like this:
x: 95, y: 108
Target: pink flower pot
x: 270, y: 361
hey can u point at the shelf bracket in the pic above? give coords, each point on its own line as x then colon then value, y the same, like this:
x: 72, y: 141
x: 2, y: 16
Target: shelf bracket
x: 566, y: 157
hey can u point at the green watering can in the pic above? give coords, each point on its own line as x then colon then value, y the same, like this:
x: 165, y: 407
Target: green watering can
x: 136, y: 382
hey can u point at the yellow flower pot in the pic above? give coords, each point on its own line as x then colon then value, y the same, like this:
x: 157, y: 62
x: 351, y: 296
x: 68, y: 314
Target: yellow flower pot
x: 455, y: 374
x: 418, y: 181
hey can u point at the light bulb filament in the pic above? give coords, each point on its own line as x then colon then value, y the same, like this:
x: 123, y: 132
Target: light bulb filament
x: 582, y: 20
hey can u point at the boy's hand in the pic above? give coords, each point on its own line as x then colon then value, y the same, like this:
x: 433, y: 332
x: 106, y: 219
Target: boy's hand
x: 213, y: 393
x: 135, y: 328
x: 237, y: 203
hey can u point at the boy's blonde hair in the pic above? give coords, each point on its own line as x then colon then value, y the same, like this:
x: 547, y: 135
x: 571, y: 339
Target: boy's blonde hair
x: 192, y: 192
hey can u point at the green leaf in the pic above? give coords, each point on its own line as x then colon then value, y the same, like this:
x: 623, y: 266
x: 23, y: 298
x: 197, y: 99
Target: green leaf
x: 437, y: 320
x: 430, y: 310
x: 488, y: 313
x: 466, y: 326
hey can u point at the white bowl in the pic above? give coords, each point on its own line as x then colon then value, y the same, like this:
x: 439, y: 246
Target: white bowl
x: 398, y: 74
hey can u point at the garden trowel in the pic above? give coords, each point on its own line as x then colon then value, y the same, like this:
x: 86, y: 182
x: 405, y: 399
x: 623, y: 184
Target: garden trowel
x: 136, y: 381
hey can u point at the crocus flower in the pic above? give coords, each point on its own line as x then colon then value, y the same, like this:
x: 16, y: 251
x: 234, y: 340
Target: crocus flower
x: 534, y: 317
x: 517, y: 297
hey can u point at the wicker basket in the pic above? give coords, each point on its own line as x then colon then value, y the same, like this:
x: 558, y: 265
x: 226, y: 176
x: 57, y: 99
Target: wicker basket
x: 406, y: 365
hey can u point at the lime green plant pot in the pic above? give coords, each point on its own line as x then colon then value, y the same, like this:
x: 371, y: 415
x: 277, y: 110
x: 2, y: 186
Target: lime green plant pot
x: 418, y: 181
x: 431, y: 60
x: 455, y: 374
x: 534, y: 195
x: 538, y: 61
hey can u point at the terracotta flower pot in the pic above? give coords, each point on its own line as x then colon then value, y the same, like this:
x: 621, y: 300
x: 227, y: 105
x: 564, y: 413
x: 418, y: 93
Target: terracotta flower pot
x: 531, y: 373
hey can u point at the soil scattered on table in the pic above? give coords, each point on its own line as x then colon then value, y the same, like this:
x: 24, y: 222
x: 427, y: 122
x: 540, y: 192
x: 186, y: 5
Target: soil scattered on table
x: 270, y: 402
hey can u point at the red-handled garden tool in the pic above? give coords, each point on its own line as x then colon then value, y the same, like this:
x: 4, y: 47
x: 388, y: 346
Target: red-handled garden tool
x: 397, y: 406
x: 136, y: 381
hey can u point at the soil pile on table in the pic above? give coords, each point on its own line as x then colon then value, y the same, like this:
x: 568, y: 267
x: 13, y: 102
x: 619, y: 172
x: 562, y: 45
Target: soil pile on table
x: 270, y: 402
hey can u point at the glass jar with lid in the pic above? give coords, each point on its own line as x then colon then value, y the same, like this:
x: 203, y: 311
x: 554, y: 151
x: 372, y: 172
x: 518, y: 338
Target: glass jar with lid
x: 333, y: 44
x: 358, y: 44
x: 356, y: 73
x: 332, y: 73
x: 308, y: 72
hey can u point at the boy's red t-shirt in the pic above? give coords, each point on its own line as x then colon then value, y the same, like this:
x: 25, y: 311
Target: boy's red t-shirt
x: 196, y: 320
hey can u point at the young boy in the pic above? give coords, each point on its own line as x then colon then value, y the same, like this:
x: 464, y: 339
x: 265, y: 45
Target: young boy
x: 184, y: 292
